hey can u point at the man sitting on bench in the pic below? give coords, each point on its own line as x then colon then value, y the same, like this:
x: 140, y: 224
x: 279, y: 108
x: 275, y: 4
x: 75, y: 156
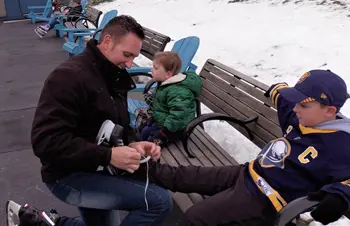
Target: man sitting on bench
x: 72, y: 14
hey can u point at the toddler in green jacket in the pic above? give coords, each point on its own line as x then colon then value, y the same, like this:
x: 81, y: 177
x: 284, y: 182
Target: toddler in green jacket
x: 174, y: 101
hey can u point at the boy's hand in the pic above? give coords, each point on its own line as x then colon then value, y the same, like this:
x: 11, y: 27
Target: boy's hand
x: 331, y: 207
x: 160, y: 138
x: 274, y: 88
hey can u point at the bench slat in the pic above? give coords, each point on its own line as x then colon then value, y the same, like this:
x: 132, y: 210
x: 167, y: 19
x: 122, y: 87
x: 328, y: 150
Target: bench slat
x: 93, y: 14
x: 156, y: 35
x: 261, y: 136
x: 245, y: 93
x: 69, y: 25
x: 152, y: 40
x: 80, y: 25
x: 219, y: 150
x: 209, y: 147
x: 147, y: 47
x: 221, y: 89
x: 201, y: 144
x: 193, y: 161
x: 242, y: 84
x: 240, y: 75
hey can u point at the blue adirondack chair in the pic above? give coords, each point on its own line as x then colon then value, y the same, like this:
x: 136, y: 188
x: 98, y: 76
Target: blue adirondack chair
x: 186, y: 48
x: 60, y: 27
x: 75, y: 47
x: 40, y: 13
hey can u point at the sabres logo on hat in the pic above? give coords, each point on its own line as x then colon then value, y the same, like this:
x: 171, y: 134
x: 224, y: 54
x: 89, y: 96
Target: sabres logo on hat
x: 323, y: 96
x: 303, y: 77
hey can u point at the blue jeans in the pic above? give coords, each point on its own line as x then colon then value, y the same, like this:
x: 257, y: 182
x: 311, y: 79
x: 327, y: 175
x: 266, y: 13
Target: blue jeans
x: 53, y: 21
x: 148, y: 132
x: 98, y: 197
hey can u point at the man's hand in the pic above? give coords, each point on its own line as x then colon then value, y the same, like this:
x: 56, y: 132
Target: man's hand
x: 125, y: 158
x: 146, y: 148
x: 330, y: 209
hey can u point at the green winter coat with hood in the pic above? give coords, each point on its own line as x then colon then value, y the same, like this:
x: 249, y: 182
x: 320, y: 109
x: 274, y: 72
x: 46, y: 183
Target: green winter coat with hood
x: 174, y: 103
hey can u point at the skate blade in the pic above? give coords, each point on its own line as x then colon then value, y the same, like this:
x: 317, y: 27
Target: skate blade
x: 38, y: 33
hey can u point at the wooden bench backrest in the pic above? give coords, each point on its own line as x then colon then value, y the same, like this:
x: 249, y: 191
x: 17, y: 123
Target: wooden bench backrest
x: 228, y: 91
x: 93, y: 15
x: 154, y: 42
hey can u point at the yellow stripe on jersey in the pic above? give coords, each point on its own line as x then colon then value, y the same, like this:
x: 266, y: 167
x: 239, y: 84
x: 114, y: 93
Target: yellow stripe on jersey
x: 276, y: 199
x: 275, y: 93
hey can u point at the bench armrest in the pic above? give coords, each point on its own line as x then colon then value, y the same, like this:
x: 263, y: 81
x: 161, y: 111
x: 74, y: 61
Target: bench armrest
x: 192, y: 67
x: 136, y: 71
x: 294, y: 209
x: 61, y: 16
x: 36, y: 7
x: 83, y: 34
x: 214, y: 116
x: 75, y: 33
x: 82, y: 17
x: 74, y: 30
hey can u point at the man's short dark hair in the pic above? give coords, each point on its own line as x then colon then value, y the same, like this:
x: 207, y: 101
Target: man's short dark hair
x: 120, y: 26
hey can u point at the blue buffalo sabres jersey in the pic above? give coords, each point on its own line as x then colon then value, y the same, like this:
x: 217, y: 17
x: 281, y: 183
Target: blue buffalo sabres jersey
x: 303, y: 160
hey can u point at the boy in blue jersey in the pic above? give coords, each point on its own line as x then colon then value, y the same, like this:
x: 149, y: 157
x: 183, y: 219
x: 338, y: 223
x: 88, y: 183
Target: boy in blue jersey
x: 312, y: 158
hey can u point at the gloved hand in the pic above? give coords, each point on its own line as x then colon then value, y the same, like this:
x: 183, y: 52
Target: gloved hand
x: 331, y: 207
x: 274, y: 88
x: 160, y: 137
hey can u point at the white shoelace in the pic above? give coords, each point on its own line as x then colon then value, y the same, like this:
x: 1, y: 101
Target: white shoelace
x: 147, y: 182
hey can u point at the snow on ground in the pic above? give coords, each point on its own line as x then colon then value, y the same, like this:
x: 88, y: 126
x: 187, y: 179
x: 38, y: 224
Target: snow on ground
x: 270, y: 40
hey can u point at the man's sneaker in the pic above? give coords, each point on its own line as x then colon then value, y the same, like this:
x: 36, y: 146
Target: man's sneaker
x: 29, y: 216
x: 40, y: 32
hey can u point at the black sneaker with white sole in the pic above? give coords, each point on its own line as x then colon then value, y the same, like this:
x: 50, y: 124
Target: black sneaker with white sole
x: 27, y: 215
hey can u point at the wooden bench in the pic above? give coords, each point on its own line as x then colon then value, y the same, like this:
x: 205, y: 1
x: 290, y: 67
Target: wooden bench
x: 227, y: 93
x: 154, y: 42
x: 91, y: 15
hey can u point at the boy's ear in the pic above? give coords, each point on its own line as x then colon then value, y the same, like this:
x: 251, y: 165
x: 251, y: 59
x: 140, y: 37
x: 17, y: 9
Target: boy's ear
x: 331, y: 110
x: 169, y: 74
